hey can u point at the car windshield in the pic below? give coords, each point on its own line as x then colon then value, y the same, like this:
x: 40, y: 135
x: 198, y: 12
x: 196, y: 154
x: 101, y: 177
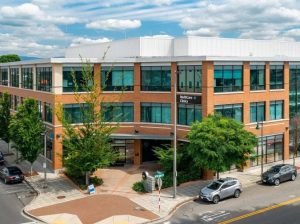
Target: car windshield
x: 14, y: 172
x: 214, y: 186
x: 274, y: 169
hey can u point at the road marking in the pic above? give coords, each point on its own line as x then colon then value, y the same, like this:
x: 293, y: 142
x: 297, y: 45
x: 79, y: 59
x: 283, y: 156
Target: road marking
x: 208, y: 217
x: 261, y: 211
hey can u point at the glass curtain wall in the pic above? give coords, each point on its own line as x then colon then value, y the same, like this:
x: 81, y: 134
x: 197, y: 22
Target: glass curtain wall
x: 156, y: 112
x: 156, y: 78
x: 189, y: 113
x: 14, y: 77
x: 26, y: 78
x: 4, y: 76
x: 257, y: 111
x: 276, y: 77
x: 257, y: 77
x: 119, y: 78
x: 234, y: 111
x: 228, y: 78
x: 118, y: 112
x: 189, y: 78
x: 68, y: 82
x: 276, y: 110
x: 44, y: 79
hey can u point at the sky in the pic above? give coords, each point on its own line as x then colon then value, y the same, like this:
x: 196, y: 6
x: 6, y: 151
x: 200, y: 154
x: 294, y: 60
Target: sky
x: 45, y: 28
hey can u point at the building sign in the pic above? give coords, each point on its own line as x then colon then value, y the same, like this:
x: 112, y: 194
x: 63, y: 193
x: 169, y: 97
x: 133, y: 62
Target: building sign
x: 188, y: 99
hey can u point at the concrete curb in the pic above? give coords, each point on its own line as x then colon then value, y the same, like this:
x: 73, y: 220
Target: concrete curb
x: 24, y: 210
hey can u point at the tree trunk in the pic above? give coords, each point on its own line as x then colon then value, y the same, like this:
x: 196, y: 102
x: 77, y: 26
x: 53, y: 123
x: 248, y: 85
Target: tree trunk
x: 87, y: 178
x: 218, y: 175
x: 30, y: 169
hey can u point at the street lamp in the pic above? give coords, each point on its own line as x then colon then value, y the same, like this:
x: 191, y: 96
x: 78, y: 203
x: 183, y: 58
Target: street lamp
x: 45, y: 158
x: 260, y: 125
x: 175, y: 138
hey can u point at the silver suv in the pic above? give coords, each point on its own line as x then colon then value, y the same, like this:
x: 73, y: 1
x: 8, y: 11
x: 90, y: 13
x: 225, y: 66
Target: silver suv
x: 220, y: 189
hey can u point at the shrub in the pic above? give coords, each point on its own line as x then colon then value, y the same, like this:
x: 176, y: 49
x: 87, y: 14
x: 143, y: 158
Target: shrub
x: 96, y: 181
x: 138, y: 187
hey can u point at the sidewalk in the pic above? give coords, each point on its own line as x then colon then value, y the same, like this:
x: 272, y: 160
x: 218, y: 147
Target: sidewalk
x: 62, y: 202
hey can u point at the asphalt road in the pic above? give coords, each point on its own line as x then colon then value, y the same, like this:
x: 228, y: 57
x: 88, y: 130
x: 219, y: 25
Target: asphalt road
x: 13, y: 198
x: 254, y: 202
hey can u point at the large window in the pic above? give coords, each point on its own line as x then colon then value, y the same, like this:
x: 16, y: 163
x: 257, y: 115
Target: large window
x: 189, y: 113
x: 189, y: 78
x: 294, y: 90
x: 117, y: 78
x: 276, y: 77
x: 156, y: 112
x: 257, y: 77
x: 44, y: 79
x: 257, y: 111
x: 271, y: 148
x: 155, y: 78
x: 276, y: 110
x: 75, y: 112
x: 68, y: 82
x: 27, y: 78
x: 234, y: 111
x: 118, y: 112
x: 228, y: 78
x: 48, y: 112
x: 14, y: 77
x: 4, y: 76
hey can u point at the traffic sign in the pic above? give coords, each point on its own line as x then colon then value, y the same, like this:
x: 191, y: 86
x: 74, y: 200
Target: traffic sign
x: 159, y: 174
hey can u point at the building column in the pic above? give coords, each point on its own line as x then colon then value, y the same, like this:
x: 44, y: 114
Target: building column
x: 20, y: 78
x: 286, y: 113
x: 137, y: 152
x: 34, y: 78
x: 137, y: 89
x: 57, y: 78
x: 246, y: 89
x: 8, y: 76
x: 57, y: 148
x: 207, y: 88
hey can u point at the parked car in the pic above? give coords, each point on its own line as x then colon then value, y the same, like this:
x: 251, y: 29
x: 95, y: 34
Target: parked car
x: 279, y: 173
x: 220, y: 189
x: 1, y: 158
x: 11, y: 174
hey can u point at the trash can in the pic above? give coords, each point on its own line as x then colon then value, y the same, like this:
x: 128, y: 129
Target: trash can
x: 148, y: 182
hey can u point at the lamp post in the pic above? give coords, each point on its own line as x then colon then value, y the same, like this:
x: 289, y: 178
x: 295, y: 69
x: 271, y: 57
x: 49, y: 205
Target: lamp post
x: 260, y: 125
x: 45, y: 158
x: 175, y: 138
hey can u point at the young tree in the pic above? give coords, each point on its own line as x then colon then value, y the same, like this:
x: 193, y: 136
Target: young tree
x: 295, y: 125
x: 87, y: 145
x: 4, y: 117
x: 9, y: 58
x: 26, y: 127
x: 218, y: 142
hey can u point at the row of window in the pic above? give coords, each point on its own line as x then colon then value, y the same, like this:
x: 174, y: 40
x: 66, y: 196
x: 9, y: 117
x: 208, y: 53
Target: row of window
x: 43, y: 78
x: 227, y: 78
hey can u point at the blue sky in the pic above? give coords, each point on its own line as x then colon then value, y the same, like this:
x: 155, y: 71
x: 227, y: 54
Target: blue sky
x: 44, y: 28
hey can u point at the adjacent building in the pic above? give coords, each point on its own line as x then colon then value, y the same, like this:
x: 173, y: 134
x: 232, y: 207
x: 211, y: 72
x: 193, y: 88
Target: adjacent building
x: 249, y: 80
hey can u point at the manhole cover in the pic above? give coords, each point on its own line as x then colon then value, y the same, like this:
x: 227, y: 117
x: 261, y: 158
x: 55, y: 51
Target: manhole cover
x: 138, y: 208
x: 61, y: 197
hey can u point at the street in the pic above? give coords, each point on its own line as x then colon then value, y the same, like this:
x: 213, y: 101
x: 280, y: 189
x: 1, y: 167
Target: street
x: 13, y: 198
x: 252, y: 207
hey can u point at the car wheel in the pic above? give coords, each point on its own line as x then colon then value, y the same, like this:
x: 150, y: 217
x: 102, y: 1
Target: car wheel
x: 276, y: 182
x: 216, y: 199
x: 293, y: 177
x: 237, y: 193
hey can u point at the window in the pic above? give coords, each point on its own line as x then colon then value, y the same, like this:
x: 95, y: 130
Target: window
x: 156, y: 112
x: 14, y: 77
x: 257, y: 77
x: 228, y: 78
x: 189, y: 113
x: 276, y: 76
x: 4, y: 76
x: 257, y: 111
x: 155, y: 78
x: 48, y: 112
x: 16, y: 102
x: 68, y: 82
x: 26, y: 78
x: 234, y: 111
x: 74, y: 112
x: 44, y: 79
x: 272, y: 150
x: 276, y: 110
x: 118, y: 112
x: 294, y: 93
x: 117, y: 78
x: 189, y: 78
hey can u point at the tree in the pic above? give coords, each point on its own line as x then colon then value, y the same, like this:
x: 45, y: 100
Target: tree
x: 218, y: 142
x: 26, y: 127
x: 87, y: 145
x: 295, y: 125
x: 9, y: 58
x: 4, y: 117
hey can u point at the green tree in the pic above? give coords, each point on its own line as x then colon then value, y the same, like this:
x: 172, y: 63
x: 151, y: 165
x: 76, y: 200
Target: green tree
x: 4, y: 117
x: 9, y: 58
x: 87, y: 146
x: 218, y: 142
x: 26, y: 127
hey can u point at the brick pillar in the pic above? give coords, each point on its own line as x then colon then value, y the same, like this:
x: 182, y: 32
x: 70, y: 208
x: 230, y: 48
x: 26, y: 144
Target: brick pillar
x: 246, y: 88
x: 267, y: 76
x: 207, y: 88
x: 57, y: 148
x: 137, y: 88
x: 173, y: 85
x: 137, y: 152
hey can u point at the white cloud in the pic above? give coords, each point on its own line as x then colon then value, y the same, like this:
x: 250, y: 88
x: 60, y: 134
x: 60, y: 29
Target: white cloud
x: 159, y: 2
x: 160, y: 36
x: 114, y: 24
x: 81, y: 40
x: 206, y: 32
